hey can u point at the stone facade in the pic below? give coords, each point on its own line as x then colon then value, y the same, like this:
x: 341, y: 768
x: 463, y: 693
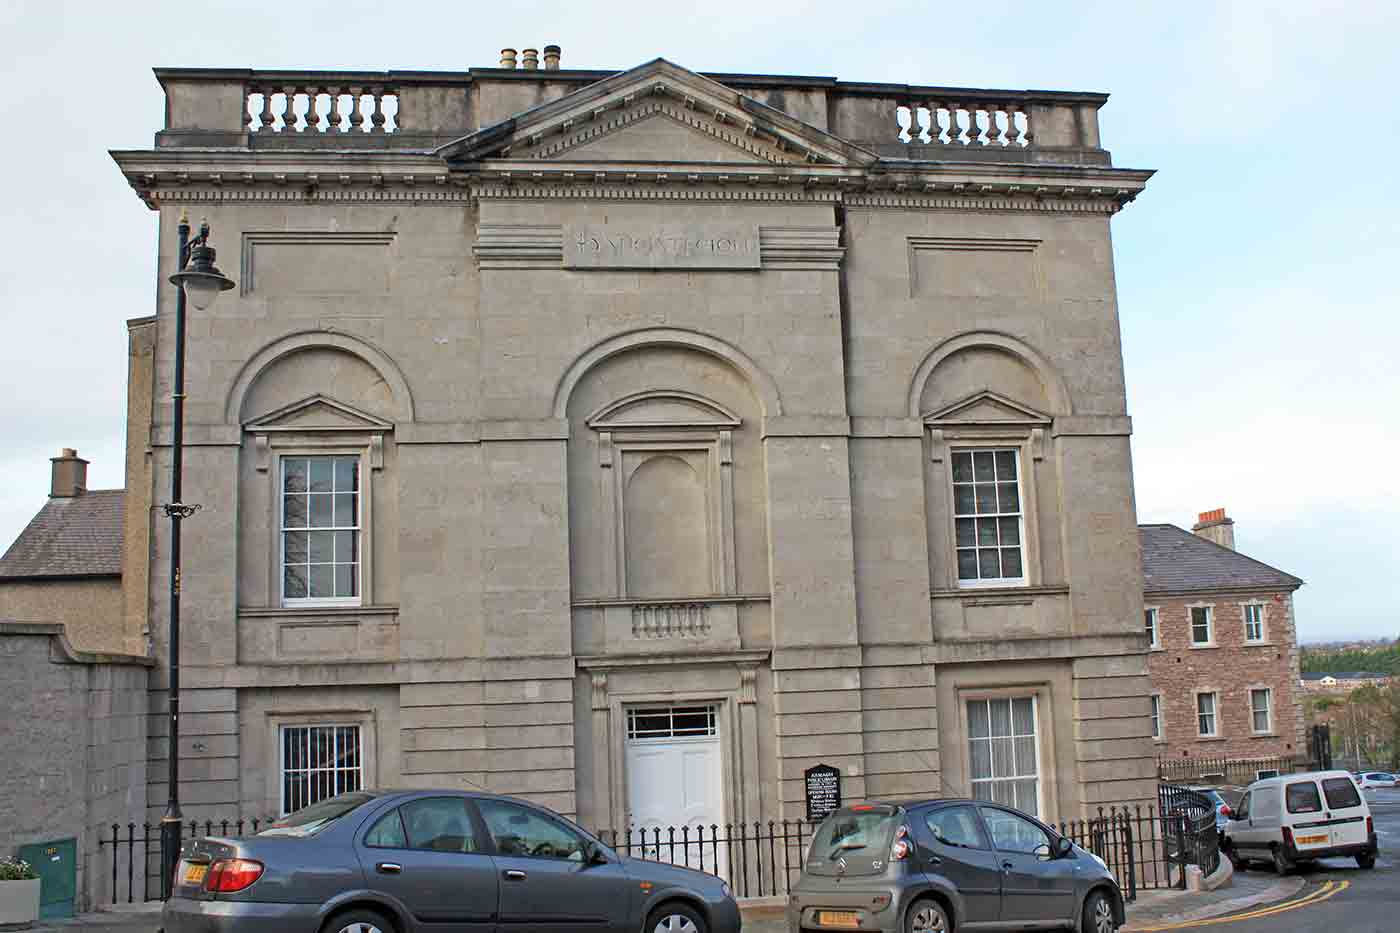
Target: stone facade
x: 1225, y: 628
x: 656, y: 385
x: 75, y: 750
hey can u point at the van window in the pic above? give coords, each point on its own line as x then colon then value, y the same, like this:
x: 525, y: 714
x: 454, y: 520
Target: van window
x: 1302, y: 797
x: 1242, y: 811
x: 1341, y: 793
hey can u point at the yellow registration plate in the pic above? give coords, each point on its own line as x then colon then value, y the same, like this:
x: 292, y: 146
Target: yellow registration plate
x: 842, y: 919
x: 1312, y: 840
x: 194, y: 874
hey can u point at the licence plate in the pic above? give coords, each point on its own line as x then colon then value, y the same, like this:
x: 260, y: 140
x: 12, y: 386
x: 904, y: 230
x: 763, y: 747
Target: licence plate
x: 1317, y: 840
x: 843, y: 919
x: 194, y: 874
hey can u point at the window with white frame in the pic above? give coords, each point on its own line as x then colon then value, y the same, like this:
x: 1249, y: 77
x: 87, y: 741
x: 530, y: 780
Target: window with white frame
x: 1261, y: 709
x: 320, y: 530
x: 1253, y: 622
x: 1156, y: 699
x: 1003, y: 751
x: 1202, y: 626
x: 319, y: 762
x: 1154, y: 635
x: 987, y: 517
x: 1205, y: 714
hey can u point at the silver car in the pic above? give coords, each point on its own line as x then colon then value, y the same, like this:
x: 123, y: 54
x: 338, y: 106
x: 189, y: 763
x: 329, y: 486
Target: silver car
x: 444, y: 861
x: 940, y: 865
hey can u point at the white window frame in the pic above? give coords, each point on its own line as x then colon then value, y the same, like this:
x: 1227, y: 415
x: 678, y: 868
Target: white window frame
x: 361, y: 771
x: 1156, y: 710
x: 361, y: 518
x: 1154, y: 640
x: 1035, y: 736
x: 1263, y: 628
x: 1268, y: 710
x: 1017, y: 452
x: 1214, y: 714
x: 1210, y: 626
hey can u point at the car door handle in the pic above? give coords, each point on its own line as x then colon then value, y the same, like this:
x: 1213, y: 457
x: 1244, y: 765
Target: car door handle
x: 935, y: 860
x: 389, y: 868
x: 1007, y: 866
x: 513, y: 874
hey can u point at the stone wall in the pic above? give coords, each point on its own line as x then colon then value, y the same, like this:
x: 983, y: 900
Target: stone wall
x: 1230, y: 668
x: 75, y: 750
x: 90, y: 609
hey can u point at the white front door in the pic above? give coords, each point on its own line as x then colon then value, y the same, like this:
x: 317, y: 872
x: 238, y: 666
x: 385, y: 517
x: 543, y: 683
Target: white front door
x: 675, y: 782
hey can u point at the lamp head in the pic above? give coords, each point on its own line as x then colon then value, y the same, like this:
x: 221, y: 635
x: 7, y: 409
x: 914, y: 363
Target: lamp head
x: 201, y: 279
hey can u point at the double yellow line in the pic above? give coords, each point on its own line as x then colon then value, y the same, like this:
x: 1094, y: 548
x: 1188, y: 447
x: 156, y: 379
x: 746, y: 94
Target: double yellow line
x: 1330, y: 889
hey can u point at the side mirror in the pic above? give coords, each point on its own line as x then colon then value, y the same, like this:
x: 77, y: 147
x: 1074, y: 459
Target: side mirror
x: 1063, y: 847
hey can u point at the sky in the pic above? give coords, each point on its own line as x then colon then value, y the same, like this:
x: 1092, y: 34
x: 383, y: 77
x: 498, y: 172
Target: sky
x: 1256, y: 275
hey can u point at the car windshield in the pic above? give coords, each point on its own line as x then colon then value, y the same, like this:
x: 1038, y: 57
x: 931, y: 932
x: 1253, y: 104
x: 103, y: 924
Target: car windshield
x: 310, y: 820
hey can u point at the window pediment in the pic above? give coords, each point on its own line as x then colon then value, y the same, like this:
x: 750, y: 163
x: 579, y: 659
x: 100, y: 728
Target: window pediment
x: 989, y: 409
x: 318, y: 420
x: 318, y: 413
x: 663, y: 409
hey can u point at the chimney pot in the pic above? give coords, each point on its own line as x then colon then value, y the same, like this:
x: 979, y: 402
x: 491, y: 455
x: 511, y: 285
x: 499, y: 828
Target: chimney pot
x: 1215, y: 526
x: 69, y: 475
x: 530, y: 59
x: 551, y: 57
x: 507, y: 58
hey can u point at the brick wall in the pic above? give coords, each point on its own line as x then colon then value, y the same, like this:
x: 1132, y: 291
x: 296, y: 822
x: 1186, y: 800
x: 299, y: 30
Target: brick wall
x: 1230, y: 668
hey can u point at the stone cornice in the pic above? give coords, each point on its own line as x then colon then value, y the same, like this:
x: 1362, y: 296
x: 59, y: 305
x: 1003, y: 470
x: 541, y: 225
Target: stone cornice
x: 214, y: 176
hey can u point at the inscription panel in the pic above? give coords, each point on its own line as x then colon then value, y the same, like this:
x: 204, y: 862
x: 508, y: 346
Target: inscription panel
x: 703, y: 246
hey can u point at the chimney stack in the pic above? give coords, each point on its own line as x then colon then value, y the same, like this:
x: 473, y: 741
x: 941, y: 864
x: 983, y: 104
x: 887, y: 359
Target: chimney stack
x: 69, y: 475
x: 551, y: 57
x: 1214, y: 526
x: 508, y: 58
x: 530, y: 59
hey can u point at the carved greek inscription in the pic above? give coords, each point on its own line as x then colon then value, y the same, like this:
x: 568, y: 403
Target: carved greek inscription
x: 692, y: 247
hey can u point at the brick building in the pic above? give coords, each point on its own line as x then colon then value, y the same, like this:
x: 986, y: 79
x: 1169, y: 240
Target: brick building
x: 1224, y: 648
x: 1343, y: 681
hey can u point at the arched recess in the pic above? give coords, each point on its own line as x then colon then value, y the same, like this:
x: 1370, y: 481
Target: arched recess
x: 1055, y: 388
x: 759, y: 381
x: 307, y: 340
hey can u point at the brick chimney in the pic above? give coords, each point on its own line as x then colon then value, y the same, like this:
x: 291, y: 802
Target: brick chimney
x: 69, y: 475
x: 1215, y: 526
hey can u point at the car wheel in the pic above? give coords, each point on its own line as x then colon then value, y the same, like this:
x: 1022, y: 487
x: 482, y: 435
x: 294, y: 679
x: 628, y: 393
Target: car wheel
x: 1281, y: 863
x: 1098, y: 914
x: 675, y: 918
x: 927, y: 916
x: 1237, y: 863
x: 358, y: 921
x: 1367, y: 861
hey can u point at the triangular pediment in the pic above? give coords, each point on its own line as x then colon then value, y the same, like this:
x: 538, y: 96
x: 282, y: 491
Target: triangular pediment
x: 657, y: 113
x: 987, y: 407
x: 662, y: 409
x: 318, y: 413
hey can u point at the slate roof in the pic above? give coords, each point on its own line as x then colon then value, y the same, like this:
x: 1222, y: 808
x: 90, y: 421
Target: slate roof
x: 77, y: 536
x: 1176, y: 561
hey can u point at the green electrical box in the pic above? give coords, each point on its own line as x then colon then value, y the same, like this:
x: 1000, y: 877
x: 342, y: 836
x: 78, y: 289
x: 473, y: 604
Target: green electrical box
x: 56, y: 864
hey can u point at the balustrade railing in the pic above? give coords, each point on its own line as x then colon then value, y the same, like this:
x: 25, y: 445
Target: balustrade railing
x: 670, y: 620
x: 276, y: 107
x: 963, y: 123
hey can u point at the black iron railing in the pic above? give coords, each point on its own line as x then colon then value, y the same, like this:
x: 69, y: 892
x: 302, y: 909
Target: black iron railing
x: 1145, y: 847
x: 1223, y: 770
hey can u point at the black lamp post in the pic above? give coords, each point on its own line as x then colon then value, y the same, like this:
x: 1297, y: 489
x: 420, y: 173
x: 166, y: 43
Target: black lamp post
x: 200, y: 281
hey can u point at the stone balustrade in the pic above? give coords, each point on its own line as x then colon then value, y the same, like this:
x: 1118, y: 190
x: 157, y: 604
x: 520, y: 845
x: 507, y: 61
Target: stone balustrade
x: 244, y: 108
x: 670, y: 620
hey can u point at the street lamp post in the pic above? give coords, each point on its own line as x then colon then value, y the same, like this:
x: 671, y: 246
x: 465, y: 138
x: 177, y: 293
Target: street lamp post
x: 200, y: 281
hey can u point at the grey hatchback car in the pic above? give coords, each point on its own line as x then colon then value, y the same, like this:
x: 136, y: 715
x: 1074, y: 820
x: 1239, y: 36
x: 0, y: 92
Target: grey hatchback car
x: 449, y: 862
x: 934, y: 866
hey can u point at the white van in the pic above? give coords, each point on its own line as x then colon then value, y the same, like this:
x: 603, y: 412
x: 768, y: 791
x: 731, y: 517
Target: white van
x: 1300, y: 817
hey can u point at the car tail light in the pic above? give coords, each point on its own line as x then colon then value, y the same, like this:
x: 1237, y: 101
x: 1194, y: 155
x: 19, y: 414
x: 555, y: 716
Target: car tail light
x: 1288, y: 837
x: 232, y: 874
x: 901, y: 848
x: 1370, y: 826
